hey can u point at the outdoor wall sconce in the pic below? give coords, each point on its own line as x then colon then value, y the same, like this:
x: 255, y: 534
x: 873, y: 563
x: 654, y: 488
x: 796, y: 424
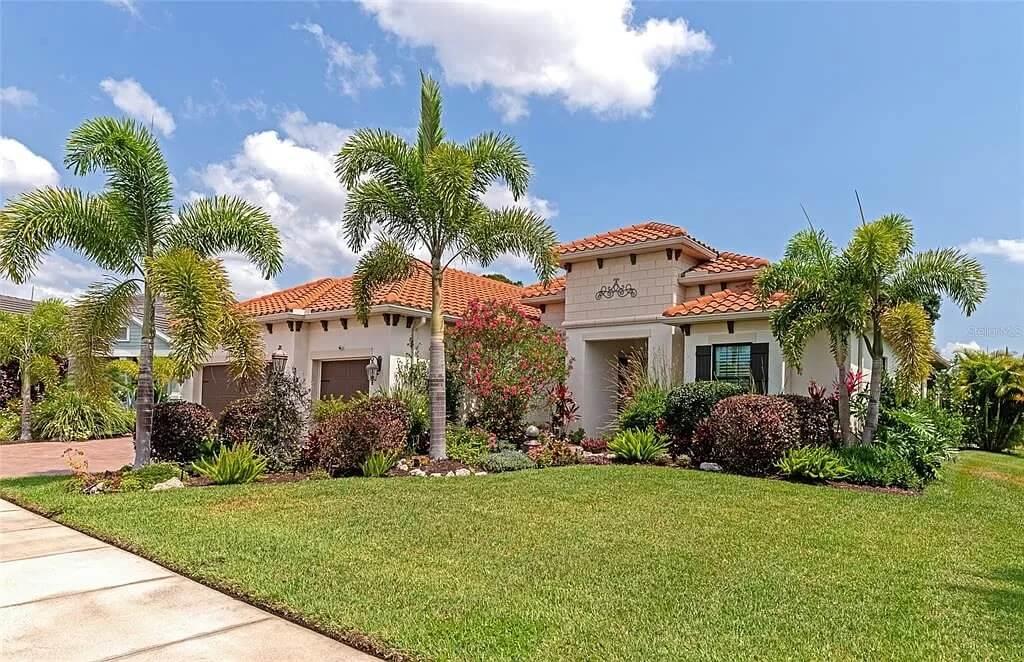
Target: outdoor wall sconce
x: 373, y: 368
x: 279, y: 359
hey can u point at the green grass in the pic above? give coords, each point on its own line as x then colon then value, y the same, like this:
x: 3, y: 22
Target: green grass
x: 605, y: 562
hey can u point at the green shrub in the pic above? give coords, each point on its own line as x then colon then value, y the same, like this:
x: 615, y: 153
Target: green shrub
x: 879, y: 465
x: 750, y: 433
x: 149, y: 475
x: 506, y: 461
x: 328, y: 407
x: 379, y: 463
x: 68, y: 413
x: 232, y: 466
x: 644, y: 409
x: 812, y: 463
x: 468, y: 445
x: 638, y: 445
x: 688, y: 404
x: 341, y: 443
x: 992, y: 391
x: 182, y: 431
x: 274, y: 421
x: 554, y: 453
x: 10, y: 424
x: 417, y: 403
x: 920, y: 436
x: 818, y: 420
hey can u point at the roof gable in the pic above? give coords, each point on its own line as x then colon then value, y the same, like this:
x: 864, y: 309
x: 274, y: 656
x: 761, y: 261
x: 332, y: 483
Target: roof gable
x: 628, y: 236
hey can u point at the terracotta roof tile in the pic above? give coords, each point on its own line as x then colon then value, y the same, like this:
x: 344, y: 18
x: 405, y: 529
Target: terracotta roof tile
x: 726, y: 262
x: 554, y: 288
x: 327, y: 294
x: 734, y: 300
x: 633, y: 234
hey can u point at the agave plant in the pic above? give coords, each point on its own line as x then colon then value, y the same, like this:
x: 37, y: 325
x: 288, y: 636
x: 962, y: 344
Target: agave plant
x: 638, y: 446
x: 232, y: 466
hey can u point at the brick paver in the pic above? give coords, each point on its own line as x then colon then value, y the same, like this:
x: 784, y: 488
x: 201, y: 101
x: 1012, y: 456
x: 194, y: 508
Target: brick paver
x: 45, y: 457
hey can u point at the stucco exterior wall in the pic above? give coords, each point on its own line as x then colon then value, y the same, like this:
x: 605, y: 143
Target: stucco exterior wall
x: 744, y: 330
x: 553, y: 314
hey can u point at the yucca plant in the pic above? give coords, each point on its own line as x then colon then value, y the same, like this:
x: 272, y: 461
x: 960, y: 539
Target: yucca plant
x: 378, y: 464
x: 232, y: 466
x: 638, y: 445
x: 131, y: 231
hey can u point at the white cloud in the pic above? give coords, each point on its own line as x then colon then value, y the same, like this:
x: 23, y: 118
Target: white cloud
x: 57, y: 276
x: 590, y: 55
x: 951, y: 348
x: 129, y: 6
x: 246, y: 279
x: 291, y: 176
x: 351, y: 70
x: 499, y: 195
x: 220, y: 103
x: 1011, y: 249
x: 129, y: 96
x: 17, y: 97
x: 22, y: 169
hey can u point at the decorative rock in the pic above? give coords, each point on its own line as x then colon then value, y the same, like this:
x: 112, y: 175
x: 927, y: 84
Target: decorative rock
x: 97, y: 488
x: 417, y: 472
x: 463, y: 472
x: 169, y: 484
x: 480, y: 473
x: 402, y: 466
x: 437, y: 475
x: 450, y: 474
x: 710, y: 466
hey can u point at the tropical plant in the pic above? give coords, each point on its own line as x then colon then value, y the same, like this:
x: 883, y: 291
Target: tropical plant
x: 554, y: 452
x: 130, y: 230
x: 428, y: 195
x: 341, y: 443
x: 379, y: 463
x: 644, y: 409
x: 749, y: 434
x: 274, y: 420
x: 638, y: 445
x: 468, y: 445
x: 70, y: 413
x: 232, y: 466
x: 688, y: 404
x: 917, y: 434
x: 124, y: 374
x: 31, y: 341
x: 879, y: 465
x: 992, y: 387
x: 182, y: 431
x: 509, y: 363
x: 503, y: 461
x: 812, y: 463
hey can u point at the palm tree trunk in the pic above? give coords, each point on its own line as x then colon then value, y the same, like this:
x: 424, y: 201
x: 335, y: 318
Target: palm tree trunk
x: 875, y: 388
x: 26, y: 403
x: 435, y: 378
x: 845, y: 432
x: 144, y: 384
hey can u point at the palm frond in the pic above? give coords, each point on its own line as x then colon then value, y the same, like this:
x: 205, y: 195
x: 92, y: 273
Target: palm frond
x: 243, y: 340
x: 449, y: 179
x: 431, y: 133
x: 516, y: 231
x: 948, y: 271
x: 97, y: 317
x: 226, y: 223
x: 385, y: 263
x: 908, y: 331
x: 877, y: 247
x: 372, y: 204
x: 34, y: 222
x: 498, y: 157
x: 378, y: 154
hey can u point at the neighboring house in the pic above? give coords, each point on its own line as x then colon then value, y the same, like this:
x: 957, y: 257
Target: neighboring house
x: 128, y: 342
x: 650, y: 290
x: 17, y: 305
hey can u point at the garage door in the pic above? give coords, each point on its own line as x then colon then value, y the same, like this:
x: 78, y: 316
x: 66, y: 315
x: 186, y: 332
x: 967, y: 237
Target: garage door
x: 343, y: 379
x: 219, y: 389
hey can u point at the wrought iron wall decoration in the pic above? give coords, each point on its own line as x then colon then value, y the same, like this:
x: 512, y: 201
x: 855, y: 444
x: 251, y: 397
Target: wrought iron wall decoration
x: 615, y: 290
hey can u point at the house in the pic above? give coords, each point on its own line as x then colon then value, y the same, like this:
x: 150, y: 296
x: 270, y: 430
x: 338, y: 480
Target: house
x: 16, y: 305
x: 128, y: 342
x: 650, y: 290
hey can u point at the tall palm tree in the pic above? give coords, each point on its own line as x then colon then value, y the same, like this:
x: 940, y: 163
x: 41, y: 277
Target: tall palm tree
x: 427, y: 196
x: 809, y: 273
x: 129, y: 229
x: 893, y: 280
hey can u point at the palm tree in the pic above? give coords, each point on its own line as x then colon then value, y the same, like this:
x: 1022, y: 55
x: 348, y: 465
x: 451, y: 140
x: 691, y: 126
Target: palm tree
x: 33, y: 340
x: 893, y: 281
x: 427, y: 196
x: 129, y: 229
x: 808, y: 273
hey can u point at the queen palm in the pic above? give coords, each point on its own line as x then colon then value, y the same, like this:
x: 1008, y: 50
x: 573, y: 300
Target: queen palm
x: 808, y: 273
x: 427, y: 196
x: 129, y: 229
x: 893, y: 281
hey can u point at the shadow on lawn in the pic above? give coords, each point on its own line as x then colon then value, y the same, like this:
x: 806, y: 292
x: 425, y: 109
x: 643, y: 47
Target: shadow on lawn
x: 1006, y: 601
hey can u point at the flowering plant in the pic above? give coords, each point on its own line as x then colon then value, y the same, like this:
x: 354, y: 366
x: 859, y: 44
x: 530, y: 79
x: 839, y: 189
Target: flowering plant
x: 507, y: 361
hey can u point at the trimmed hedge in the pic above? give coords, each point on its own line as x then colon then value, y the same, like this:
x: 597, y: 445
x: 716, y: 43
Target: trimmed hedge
x: 341, y: 443
x: 819, y: 422
x: 687, y: 405
x: 750, y: 433
x: 181, y: 431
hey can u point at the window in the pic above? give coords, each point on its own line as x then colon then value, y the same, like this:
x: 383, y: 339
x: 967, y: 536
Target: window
x: 732, y: 364
x: 123, y: 334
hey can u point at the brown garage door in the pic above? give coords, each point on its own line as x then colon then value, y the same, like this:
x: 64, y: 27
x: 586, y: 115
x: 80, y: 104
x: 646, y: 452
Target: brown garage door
x: 343, y: 379
x: 219, y: 389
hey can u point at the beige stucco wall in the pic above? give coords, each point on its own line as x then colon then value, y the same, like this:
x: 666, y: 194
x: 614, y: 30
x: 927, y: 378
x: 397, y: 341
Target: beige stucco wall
x: 744, y: 330
x: 654, y: 277
x: 553, y: 314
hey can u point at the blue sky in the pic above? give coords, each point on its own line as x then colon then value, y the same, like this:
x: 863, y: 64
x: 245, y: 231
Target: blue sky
x: 720, y: 117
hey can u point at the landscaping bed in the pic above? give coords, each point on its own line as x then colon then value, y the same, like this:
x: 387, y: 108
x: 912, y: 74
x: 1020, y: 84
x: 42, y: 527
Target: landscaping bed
x: 612, y: 562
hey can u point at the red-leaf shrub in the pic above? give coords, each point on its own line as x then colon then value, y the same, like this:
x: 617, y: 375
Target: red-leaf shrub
x: 341, y: 442
x: 273, y: 421
x: 749, y: 433
x: 595, y: 445
x: 508, y: 362
x: 819, y: 423
x: 181, y: 430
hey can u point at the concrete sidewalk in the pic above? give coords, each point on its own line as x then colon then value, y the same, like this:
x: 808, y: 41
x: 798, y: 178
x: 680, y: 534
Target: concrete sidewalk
x: 66, y: 596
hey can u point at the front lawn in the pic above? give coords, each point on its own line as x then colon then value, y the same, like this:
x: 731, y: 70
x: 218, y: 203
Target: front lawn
x: 604, y: 562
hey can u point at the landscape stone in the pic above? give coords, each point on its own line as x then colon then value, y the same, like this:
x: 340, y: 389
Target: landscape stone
x: 710, y: 466
x: 169, y: 484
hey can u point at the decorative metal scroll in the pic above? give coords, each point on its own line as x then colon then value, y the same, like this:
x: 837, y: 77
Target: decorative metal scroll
x: 615, y: 290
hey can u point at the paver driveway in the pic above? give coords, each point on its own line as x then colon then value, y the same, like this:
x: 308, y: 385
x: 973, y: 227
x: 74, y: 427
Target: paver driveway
x: 66, y: 596
x: 46, y: 457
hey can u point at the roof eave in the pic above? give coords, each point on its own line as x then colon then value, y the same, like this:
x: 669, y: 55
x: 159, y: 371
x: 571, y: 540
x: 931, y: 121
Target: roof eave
x: 715, y: 317
x: 695, y: 248
x: 697, y: 278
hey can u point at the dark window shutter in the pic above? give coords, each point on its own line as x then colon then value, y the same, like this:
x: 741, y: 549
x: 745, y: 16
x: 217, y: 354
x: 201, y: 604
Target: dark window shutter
x: 759, y: 366
x: 703, y: 363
